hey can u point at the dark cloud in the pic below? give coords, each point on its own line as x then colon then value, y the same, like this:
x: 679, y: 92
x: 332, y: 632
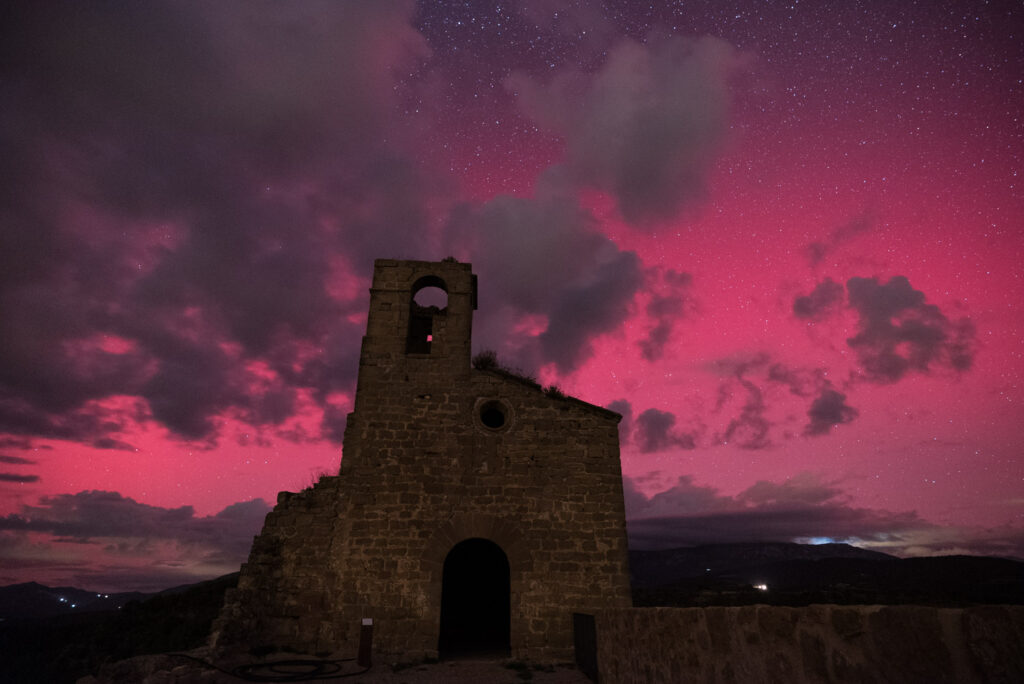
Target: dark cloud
x: 23, y: 443
x: 749, y: 429
x: 625, y: 409
x: 543, y: 257
x: 633, y: 498
x: 24, y: 479
x: 595, y: 306
x: 1005, y: 541
x: 684, y: 498
x: 817, y: 251
x: 16, y: 460
x: 823, y: 300
x: 828, y: 410
x: 91, y: 424
x: 108, y: 542
x: 774, y: 524
x: 646, y: 126
x: 801, y: 489
x: 91, y: 515
x: 749, y: 393
x: 899, y: 332
x: 187, y: 183
x: 803, y: 382
x: 192, y: 182
x: 665, y: 308
x: 106, y: 442
x: 334, y: 422
x: 652, y: 431
x: 800, y: 508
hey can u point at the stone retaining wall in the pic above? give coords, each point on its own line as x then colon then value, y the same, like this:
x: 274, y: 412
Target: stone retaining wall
x: 821, y: 643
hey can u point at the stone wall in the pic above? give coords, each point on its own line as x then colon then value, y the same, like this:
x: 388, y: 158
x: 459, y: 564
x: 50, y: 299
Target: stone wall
x: 423, y: 470
x: 821, y: 643
x: 547, y: 490
x: 286, y: 585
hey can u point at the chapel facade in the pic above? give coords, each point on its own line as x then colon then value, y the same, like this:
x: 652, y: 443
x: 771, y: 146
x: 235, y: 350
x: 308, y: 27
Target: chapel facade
x: 473, y: 512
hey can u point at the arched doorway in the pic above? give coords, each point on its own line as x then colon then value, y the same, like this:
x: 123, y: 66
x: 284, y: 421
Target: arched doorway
x: 475, y: 601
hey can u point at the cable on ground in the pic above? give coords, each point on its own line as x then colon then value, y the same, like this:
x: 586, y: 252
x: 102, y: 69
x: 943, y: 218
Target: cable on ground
x: 296, y: 670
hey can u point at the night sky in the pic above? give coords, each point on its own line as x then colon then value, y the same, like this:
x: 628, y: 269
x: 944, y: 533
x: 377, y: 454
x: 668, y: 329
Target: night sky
x: 783, y: 239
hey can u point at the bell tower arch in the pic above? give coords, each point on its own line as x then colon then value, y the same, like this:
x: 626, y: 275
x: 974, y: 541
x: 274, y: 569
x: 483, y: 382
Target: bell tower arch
x: 424, y: 307
x: 409, y: 338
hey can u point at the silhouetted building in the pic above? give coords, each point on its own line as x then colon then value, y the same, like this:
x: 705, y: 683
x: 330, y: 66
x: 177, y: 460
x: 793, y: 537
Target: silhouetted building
x: 472, y: 512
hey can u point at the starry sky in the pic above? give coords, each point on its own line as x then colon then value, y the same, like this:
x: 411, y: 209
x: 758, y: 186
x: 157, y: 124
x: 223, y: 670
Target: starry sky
x: 783, y: 239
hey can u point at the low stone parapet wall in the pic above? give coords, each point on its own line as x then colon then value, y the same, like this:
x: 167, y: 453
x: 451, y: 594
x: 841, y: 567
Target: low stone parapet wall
x: 820, y: 643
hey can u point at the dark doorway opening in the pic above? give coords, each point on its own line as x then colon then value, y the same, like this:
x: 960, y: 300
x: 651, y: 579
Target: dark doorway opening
x: 475, y: 597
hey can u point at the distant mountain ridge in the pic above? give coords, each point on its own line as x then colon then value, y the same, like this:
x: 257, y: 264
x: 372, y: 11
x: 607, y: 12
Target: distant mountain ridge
x: 711, y: 574
x: 34, y: 600
x: 658, y: 567
x: 39, y: 646
x: 798, y: 574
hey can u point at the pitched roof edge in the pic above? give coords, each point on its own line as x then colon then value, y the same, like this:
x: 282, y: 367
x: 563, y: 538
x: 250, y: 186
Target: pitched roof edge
x: 555, y: 395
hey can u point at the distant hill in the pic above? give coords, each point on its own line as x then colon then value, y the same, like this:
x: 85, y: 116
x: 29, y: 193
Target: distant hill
x: 655, y: 568
x: 797, y: 574
x: 37, y: 645
x: 32, y: 600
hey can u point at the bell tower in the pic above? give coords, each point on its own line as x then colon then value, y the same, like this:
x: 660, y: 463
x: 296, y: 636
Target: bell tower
x: 410, y: 336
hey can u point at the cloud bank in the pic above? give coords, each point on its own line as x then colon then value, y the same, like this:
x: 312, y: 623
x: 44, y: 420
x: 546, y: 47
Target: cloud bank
x: 898, y: 331
x: 202, y: 187
x: 800, y: 508
x: 120, y: 544
x: 646, y: 127
x: 184, y: 190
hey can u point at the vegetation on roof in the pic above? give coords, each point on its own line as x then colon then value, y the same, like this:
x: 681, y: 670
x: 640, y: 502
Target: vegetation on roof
x: 487, y: 360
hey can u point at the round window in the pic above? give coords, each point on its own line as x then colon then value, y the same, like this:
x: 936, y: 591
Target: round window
x: 493, y: 414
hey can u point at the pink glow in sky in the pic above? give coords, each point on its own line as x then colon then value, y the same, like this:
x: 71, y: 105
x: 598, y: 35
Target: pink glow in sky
x: 785, y: 242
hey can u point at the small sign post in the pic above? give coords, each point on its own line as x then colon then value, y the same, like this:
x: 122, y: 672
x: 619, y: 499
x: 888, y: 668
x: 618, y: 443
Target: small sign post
x: 365, y: 643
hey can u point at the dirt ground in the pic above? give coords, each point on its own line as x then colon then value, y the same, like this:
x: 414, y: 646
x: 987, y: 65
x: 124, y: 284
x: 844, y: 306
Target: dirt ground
x: 188, y: 669
x: 471, y: 671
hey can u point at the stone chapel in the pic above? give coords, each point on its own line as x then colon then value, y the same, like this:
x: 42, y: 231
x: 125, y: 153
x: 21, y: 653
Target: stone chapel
x: 473, y: 512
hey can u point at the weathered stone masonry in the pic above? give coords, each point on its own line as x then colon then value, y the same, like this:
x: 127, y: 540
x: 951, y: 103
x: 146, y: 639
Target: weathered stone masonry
x: 818, y: 643
x: 436, y: 453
